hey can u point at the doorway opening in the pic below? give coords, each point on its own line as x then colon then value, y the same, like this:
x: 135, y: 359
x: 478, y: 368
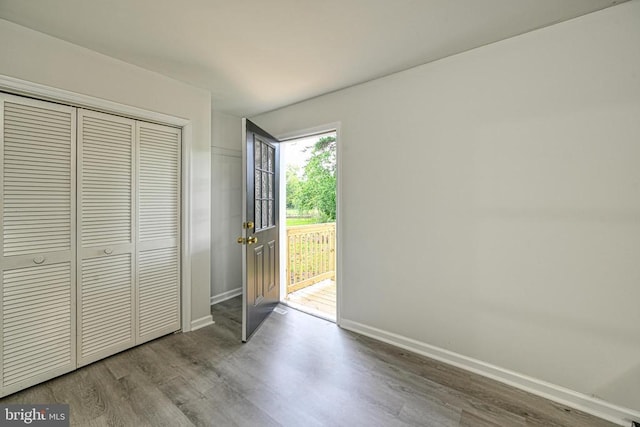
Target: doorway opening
x: 309, y: 166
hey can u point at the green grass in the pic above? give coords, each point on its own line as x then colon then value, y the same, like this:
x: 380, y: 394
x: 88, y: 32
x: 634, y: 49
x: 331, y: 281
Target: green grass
x: 302, y: 221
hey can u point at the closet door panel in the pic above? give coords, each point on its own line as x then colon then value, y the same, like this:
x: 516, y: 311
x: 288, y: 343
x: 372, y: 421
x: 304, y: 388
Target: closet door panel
x: 106, y: 304
x: 37, y: 180
x: 38, y: 318
x: 159, y: 293
x: 37, y: 323
x: 159, y: 149
x: 106, y: 215
x: 107, y: 180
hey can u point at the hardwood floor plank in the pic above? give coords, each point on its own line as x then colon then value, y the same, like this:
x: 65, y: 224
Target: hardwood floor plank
x: 119, y: 365
x: 224, y: 406
x: 40, y: 393
x: 94, y: 397
x: 180, y: 391
x: 419, y: 412
x: 470, y: 419
x: 150, y: 404
x: 283, y: 409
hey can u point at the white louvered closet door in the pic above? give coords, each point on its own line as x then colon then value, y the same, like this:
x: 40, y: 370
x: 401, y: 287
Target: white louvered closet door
x: 158, y: 227
x: 106, y: 235
x: 37, y: 279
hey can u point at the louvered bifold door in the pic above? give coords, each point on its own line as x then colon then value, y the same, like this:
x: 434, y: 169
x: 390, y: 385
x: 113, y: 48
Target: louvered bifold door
x: 158, y: 230
x: 106, y: 235
x: 37, y: 278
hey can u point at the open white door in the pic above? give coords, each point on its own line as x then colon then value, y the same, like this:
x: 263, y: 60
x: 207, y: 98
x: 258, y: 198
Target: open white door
x: 260, y: 257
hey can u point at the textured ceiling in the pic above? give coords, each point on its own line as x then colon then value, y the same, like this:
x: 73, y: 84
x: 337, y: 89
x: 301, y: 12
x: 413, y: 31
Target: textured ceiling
x: 258, y: 55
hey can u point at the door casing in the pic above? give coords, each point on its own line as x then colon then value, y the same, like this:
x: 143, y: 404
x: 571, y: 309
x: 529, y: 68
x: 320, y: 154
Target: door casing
x: 284, y: 137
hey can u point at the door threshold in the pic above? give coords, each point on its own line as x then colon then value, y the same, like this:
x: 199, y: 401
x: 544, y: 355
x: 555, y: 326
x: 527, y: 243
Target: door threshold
x: 307, y: 310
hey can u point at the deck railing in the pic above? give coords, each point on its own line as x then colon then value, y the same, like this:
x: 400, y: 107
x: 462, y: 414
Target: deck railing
x: 311, y: 255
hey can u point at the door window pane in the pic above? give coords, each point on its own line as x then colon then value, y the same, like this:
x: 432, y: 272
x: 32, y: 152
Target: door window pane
x: 265, y: 179
x: 264, y: 184
x: 265, y: 213
x: 258, y: 150
x: 258, y: 187
x: 271, y: 213
x: 258, y: 218
x: 265, y: 155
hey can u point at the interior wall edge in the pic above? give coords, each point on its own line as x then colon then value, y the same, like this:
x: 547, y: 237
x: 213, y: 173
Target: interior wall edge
x: 201, y: 323
x: 597, y: 407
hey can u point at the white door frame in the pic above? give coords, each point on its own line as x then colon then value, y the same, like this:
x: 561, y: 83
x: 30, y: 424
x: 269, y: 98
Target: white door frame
x: 46, y: 93
x: 297, y: 134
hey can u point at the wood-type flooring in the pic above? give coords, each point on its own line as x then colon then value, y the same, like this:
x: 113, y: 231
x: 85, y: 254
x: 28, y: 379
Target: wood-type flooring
x: 297, y: 370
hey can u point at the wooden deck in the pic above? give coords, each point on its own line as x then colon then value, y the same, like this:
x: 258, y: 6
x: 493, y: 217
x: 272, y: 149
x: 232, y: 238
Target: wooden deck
x: 318, y: 299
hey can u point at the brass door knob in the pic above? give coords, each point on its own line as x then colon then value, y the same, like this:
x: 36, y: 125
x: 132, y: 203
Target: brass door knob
x: 248, y: 241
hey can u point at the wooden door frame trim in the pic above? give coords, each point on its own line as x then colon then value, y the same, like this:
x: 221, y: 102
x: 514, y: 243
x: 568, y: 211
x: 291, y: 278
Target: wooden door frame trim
x: 315, y: 130
x: 26, y: 88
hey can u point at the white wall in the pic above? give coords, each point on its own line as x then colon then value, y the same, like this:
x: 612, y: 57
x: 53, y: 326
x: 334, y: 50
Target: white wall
x: 491, y: 202
x: 226, y: 206
x: 28, y: 55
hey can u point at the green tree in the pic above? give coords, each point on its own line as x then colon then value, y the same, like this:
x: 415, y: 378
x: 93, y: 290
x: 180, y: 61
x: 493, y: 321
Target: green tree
x: 318, y: 189
x: 294, y: 187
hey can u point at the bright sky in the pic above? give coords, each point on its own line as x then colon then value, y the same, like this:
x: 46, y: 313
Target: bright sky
x: 294, y: 150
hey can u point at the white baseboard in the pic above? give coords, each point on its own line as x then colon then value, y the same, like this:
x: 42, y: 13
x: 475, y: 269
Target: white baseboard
x: 599, y: 408
x: 201, y: 322
x: 226, y: 295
